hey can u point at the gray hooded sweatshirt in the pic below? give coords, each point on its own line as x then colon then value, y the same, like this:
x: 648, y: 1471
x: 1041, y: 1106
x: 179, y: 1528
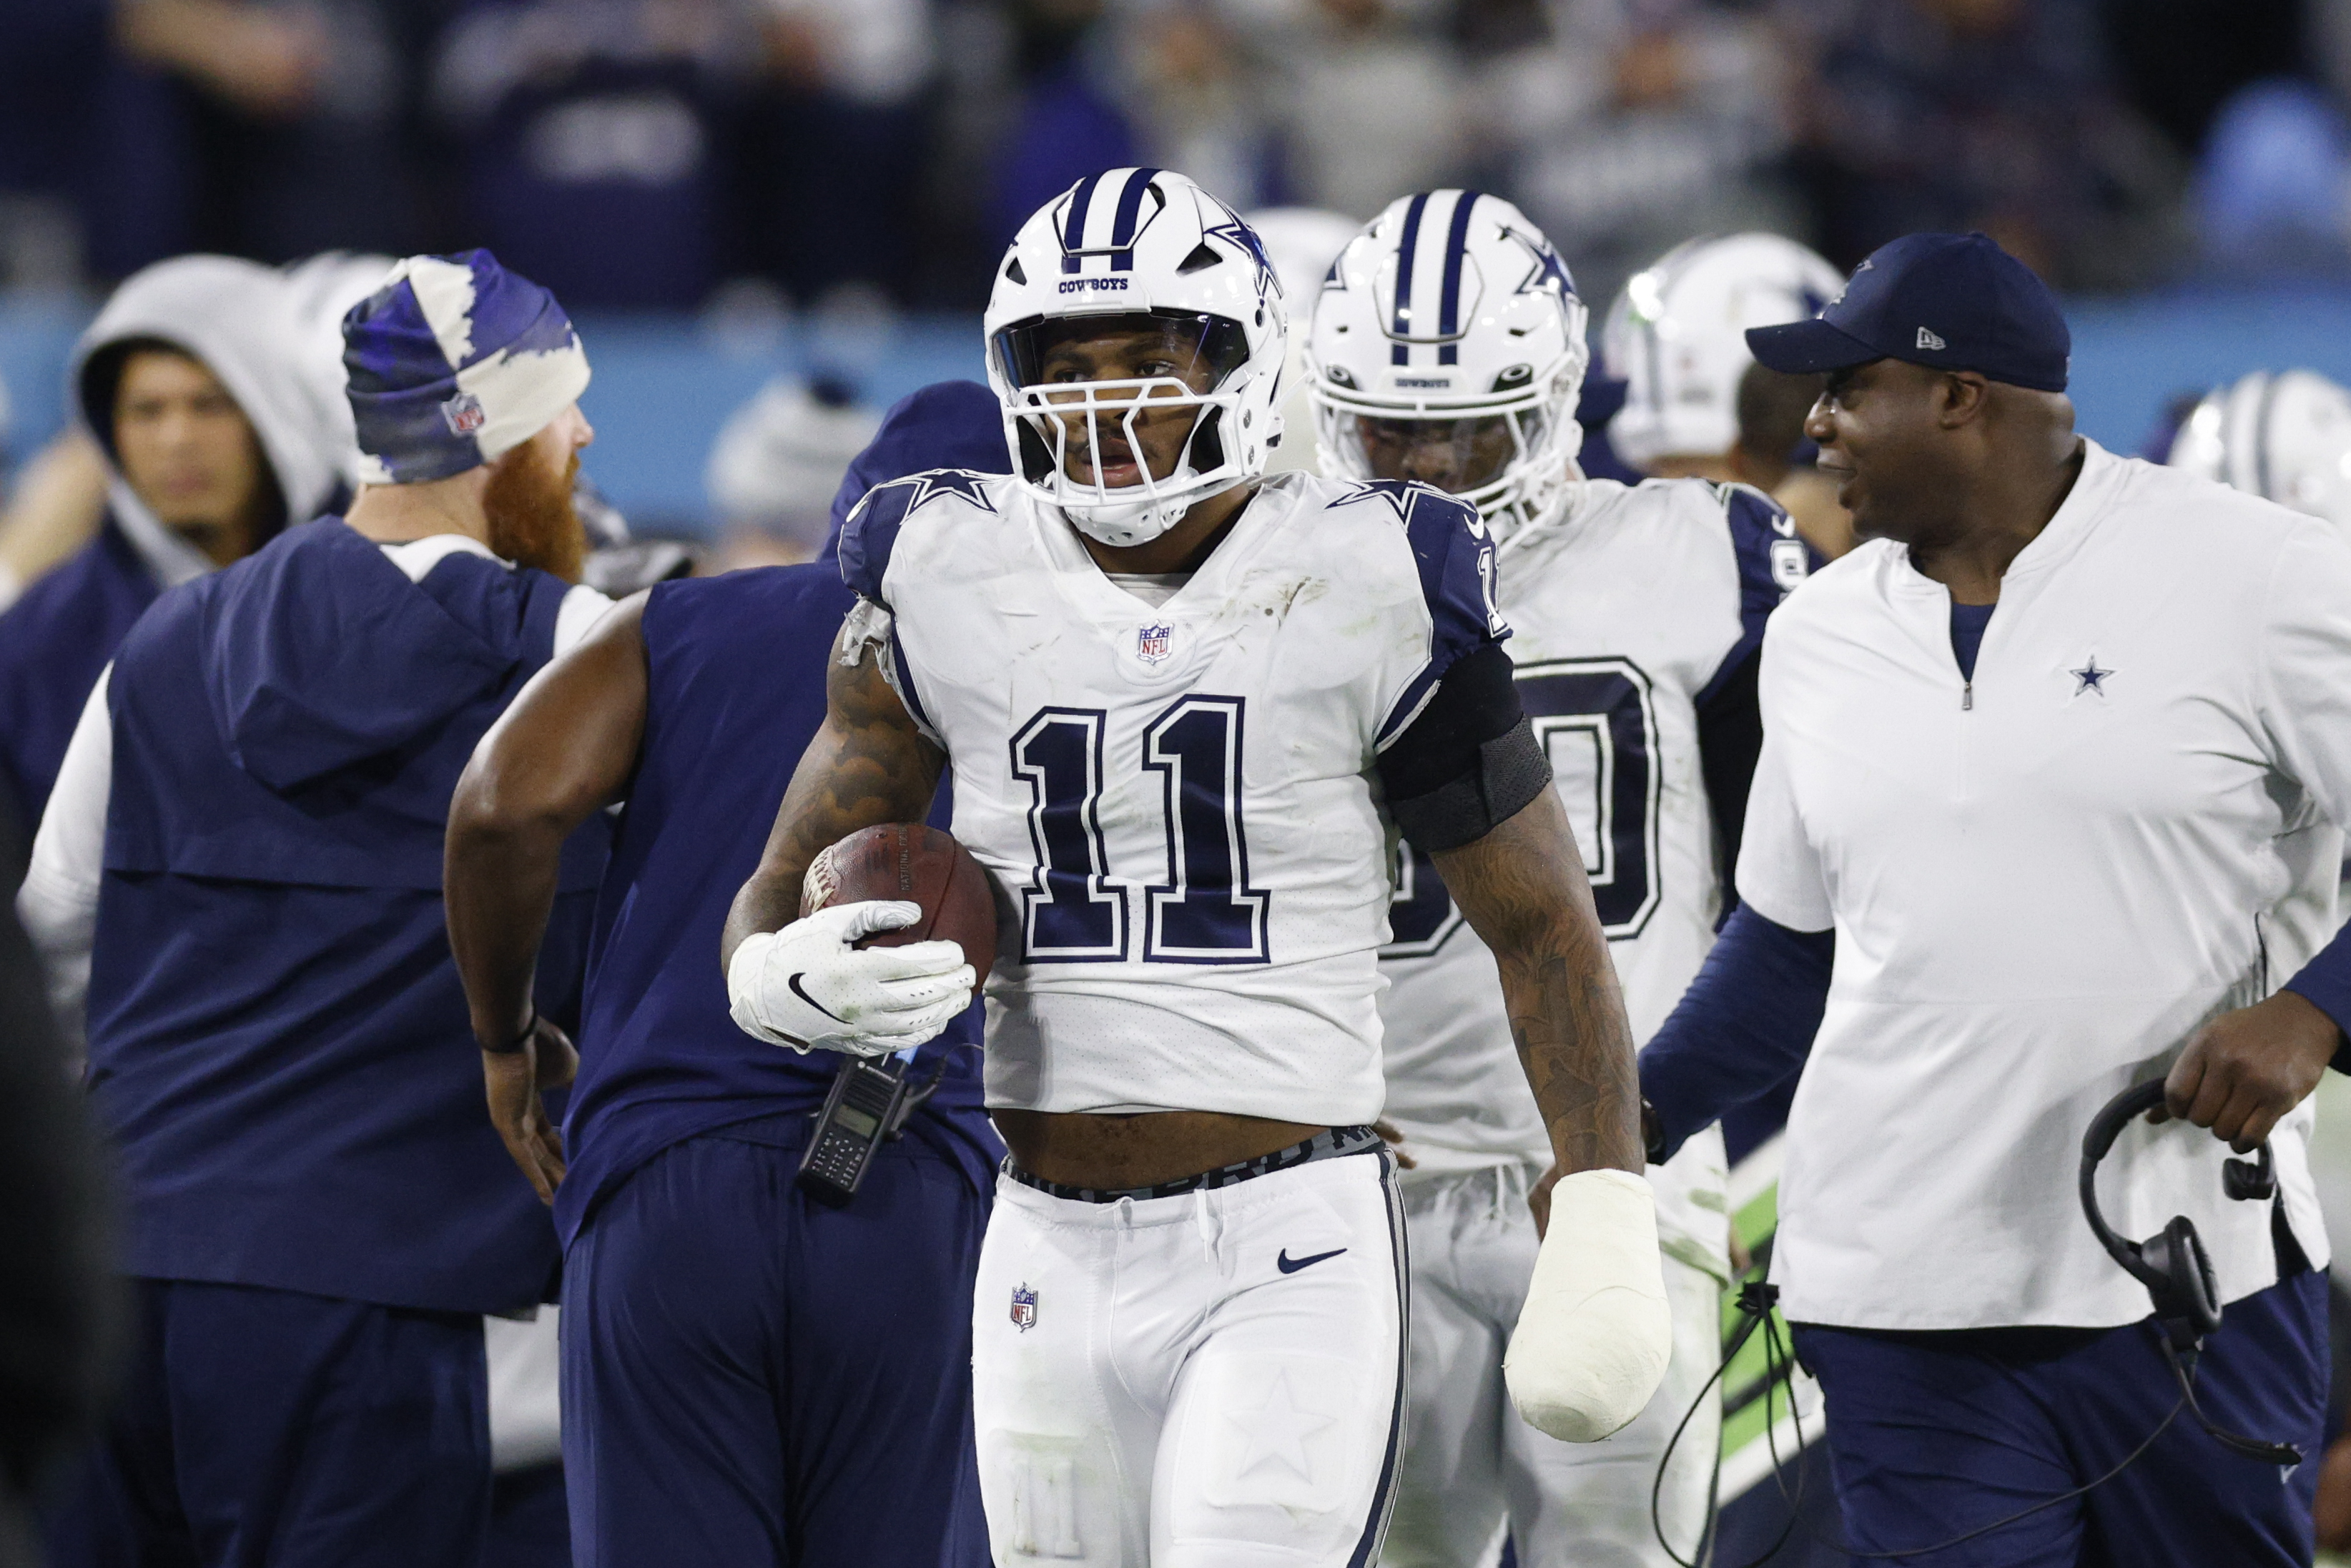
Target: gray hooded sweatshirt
x: 240, y: 319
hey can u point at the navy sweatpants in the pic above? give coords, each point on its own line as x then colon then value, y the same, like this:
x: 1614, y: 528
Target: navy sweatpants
x: 750, y: 1378
x: 1933, y: 1434
x: 262, y: 1428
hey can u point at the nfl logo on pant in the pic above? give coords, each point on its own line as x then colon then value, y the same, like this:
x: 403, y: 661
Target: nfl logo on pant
x: 1024, y: 1308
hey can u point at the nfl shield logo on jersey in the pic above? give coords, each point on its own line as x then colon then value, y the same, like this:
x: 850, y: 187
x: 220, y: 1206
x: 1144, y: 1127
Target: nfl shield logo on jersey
x: 1024, y: 1308
x: 463, y: 413
x: 1152, y: 644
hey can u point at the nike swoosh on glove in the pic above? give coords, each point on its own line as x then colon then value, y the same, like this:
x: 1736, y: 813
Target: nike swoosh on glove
x: 811, y: 986
x: 1592, y: 1339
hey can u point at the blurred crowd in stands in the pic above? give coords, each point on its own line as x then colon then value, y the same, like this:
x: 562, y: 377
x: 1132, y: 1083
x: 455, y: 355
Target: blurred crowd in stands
x: 774, y: 154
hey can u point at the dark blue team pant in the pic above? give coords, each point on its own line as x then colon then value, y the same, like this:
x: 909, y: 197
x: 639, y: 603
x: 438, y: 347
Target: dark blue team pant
x: 530, y: 1521
x: 269, y: 1428
x: 1933, y: 1434
x: 750, y: 1378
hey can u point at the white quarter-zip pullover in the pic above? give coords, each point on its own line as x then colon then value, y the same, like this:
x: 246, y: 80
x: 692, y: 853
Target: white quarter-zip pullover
x: 2041, y: 882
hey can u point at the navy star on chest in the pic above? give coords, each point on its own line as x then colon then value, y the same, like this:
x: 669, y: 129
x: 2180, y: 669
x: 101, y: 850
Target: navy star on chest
x: 2090, y: 677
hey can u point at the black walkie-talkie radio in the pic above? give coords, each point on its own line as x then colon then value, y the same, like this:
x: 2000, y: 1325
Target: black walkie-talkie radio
x: 869, y: 1103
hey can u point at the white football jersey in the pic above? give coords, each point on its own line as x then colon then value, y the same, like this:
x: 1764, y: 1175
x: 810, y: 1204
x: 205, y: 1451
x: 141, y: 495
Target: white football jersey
x: 1627, y: 607
x: 1176, y: 802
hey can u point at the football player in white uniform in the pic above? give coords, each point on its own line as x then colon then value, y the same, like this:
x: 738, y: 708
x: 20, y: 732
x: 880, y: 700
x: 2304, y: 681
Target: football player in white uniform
x: 1696, y: 405
x: 1185, y: 705
x: 1448, y: 347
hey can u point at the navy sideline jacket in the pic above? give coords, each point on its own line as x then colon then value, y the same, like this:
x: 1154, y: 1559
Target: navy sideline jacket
x: 277, y: 1039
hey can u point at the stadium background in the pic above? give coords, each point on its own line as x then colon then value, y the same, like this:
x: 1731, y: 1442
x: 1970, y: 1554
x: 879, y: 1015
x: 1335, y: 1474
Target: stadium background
x: 739, y: 195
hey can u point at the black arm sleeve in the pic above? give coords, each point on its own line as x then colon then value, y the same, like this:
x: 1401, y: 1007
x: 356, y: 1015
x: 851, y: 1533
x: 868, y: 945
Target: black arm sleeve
x: 1730, y: 742
x: 1468, y: 762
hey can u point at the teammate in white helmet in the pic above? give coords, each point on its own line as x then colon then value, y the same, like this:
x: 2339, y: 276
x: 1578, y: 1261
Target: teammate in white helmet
x: 2285, y: 437
x: 1185, y: 704
x: 1448, y: 347
x: 1696, y: 405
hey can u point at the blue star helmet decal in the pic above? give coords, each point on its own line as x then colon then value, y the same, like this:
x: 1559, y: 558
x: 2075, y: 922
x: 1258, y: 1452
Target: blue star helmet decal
x: 1547, y: 263
x: 1234, y: 232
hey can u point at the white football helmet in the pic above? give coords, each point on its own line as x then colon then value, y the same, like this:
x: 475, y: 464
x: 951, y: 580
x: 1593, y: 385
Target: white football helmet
x: 1678, y: 336
x: 1451, y: 309
x: 1150, y: 245
x: 2283, y: 437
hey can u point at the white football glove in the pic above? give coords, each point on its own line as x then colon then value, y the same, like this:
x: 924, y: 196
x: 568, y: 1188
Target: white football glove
x: 809, y: 986
x: 1591, y: 1340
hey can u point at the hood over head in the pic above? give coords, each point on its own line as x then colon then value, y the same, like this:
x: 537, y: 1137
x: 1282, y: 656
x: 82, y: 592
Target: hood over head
x: 236, y: 318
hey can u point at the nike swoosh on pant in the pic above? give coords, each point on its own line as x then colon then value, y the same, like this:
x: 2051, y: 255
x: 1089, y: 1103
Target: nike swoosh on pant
x: 801, y: 991
x: 1290, y: 1265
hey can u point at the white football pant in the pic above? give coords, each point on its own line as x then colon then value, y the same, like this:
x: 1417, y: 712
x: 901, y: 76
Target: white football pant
x: 1473, y: 1472
x: 1211, y: 1380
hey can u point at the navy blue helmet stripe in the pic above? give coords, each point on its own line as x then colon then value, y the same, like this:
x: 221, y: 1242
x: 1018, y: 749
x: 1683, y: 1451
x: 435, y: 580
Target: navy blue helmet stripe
x: 1457, y: 250
x: 1122, y: 228
x: 1074, y: 225
x: 1407, y: 255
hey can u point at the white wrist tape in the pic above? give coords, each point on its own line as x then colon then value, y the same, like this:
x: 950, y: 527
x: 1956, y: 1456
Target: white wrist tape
x: 1592, y: 1340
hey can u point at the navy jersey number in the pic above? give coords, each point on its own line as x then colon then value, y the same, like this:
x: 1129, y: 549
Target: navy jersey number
x: 1206, y: 912
x: 1597, y: 720
x: 1066, y: 914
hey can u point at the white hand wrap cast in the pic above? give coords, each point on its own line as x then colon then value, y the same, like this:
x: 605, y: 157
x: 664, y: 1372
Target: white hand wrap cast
x: 810, y: 986
x: 1591, y: 1340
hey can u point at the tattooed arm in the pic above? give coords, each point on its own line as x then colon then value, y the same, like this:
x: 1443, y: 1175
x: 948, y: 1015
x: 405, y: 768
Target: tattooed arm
x: 1522, y: 888
x: 1595, y: 1334
x: 868, y: 764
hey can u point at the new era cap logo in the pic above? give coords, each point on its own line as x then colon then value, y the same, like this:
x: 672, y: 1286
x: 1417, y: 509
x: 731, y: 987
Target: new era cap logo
x: 1930, y: 341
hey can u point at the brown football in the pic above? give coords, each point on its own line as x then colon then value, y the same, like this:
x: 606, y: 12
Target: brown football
x: 922, y: 865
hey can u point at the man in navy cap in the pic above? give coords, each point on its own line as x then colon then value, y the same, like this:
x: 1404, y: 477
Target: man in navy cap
x: 244, y: 849
x: 2054, y: 772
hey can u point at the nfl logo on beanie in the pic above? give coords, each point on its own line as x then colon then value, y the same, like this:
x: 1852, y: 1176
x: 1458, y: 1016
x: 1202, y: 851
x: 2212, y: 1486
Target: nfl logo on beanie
x: 463, y: 413
x: 452, y: 362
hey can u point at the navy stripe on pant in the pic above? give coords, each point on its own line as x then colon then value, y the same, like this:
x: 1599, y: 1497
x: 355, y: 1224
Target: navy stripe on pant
x: 262, y: 1428
x: 751, y: 1378
x: 1934, y: 1434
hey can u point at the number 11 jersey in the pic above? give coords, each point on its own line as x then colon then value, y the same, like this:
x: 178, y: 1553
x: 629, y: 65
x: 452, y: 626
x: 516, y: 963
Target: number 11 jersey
x: 1176, y: 801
